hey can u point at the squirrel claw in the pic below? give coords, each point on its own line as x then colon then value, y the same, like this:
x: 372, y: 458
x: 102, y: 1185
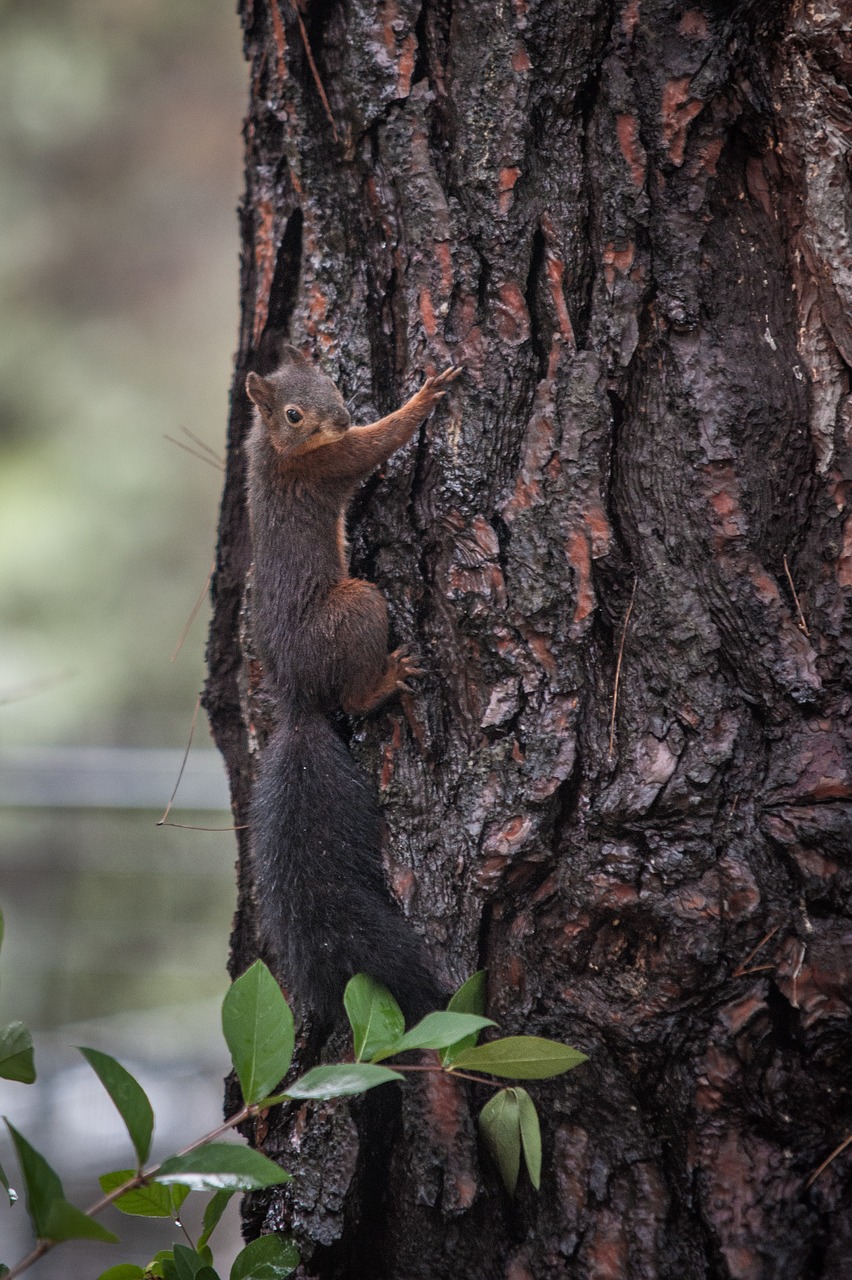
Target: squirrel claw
x: 405, y: 660
x: 436, y: 386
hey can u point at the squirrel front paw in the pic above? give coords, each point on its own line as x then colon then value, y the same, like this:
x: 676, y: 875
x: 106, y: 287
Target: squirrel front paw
x: 435, y: 388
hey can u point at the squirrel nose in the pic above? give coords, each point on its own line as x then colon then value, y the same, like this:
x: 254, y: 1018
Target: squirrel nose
x: 342, y: 418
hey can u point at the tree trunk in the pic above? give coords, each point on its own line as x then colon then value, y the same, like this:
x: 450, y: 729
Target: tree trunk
x: 623, y: 552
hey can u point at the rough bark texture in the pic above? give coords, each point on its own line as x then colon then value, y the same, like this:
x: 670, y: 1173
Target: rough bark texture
x: 631, y: 223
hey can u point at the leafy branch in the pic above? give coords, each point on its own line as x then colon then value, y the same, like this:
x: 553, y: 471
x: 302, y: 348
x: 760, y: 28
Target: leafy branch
x: 258, y: 1028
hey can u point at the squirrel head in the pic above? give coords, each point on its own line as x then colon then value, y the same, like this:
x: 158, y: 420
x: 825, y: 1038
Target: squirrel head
x: 298, y: 405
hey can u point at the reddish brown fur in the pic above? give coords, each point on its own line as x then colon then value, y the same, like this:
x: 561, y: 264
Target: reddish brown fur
x: 308, y: 612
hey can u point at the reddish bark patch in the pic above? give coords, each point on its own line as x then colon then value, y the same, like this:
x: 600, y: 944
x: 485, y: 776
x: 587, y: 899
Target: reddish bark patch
x: 579, y: 557
x: 600, y: 532
x: 606, y: 1253
x: 816, y: 977
x: 513, y: 319
x: 521, y: 60
x: 444, y: 258
x: 405, y: 67
x: 509, y: 837
x: 706, y: 157
x: 540, y: 645
x: 677, y: 109
x: 427, y: 314
x: 739, y: 1013
x: 693, y: 25
x: 506, y: 180
x: 264, y: 258
x: 630, y: 18
x: 758, y: 185
x: 516, y: 1270
x: 627, y: 132
x: 403, y: 882
x: 617, y: 262
x: 389, y: 751
x: 279, y: 39
x: 844, y: 560
x: 555, y: 278
x: 445, y: 1107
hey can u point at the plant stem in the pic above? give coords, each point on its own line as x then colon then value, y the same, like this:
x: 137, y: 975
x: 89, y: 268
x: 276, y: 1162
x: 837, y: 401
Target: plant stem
x: 451, y: 1071
x: 139, y: 1180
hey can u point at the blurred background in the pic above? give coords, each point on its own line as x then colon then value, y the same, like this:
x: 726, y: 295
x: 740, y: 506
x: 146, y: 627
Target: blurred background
x: 120, y: 171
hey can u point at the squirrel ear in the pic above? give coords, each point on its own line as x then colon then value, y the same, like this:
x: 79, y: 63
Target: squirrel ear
x: 290, y: 355
x: 261, y: 392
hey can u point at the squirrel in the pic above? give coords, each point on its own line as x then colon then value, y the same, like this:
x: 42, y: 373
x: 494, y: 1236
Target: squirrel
x: 324, y: 909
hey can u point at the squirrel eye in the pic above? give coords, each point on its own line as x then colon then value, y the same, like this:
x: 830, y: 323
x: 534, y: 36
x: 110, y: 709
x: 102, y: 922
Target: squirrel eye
x: 293, y: 415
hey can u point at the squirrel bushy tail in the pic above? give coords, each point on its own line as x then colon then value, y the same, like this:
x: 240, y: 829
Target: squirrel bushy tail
x: 321, y: 894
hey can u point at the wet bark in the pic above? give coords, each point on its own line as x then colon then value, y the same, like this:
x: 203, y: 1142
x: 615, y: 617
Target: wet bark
x: 623, y: 550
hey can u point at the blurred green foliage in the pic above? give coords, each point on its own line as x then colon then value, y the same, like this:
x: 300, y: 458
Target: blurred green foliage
x: 120, y: 159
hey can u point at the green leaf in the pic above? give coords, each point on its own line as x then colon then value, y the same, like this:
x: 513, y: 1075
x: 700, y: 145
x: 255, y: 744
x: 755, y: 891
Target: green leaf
x: 500, y: 1128
x: 66, y: 1222
x: 16, y: 1053
x: 340, y: 1080
x: 213, y: 1211
x: 4, y: 1270
x: 10, y: 1191
x: 129, y: 1097
x: 530, y: 1135
x: 470, y: 998
x: 220, y: 1166
x: 41, y: 1183
x: 521, y: 1058
x: 124, y: 1271
x: 267, y: 1258
x: 189, y: 1265
x: 437, y: 1031
x: 161, y: 1265
x: 258, y: 1028
x: 375, y: 1017
x: 153, y: 1200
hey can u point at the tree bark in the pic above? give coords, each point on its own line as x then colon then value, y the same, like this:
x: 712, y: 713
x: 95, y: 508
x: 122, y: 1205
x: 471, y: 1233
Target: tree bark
x: 623, y: 550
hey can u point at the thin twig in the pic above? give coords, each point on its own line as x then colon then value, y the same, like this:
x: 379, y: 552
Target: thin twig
x: 618, y: 666
x: 202, y: 457
x: 202, y: 444
x: 185, y: 826
x: 827, y: 1161
x: 448, y: 1070
x: 162, y: 821
x: 189, y: 1240
x: 803, y: 626
x: 741, y: 969
x: 313, y: 67
x: 794, y: 998
x: 194, y: 614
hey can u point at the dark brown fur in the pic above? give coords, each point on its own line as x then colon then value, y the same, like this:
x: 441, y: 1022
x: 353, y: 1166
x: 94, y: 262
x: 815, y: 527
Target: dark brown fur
x: 323, y: 639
